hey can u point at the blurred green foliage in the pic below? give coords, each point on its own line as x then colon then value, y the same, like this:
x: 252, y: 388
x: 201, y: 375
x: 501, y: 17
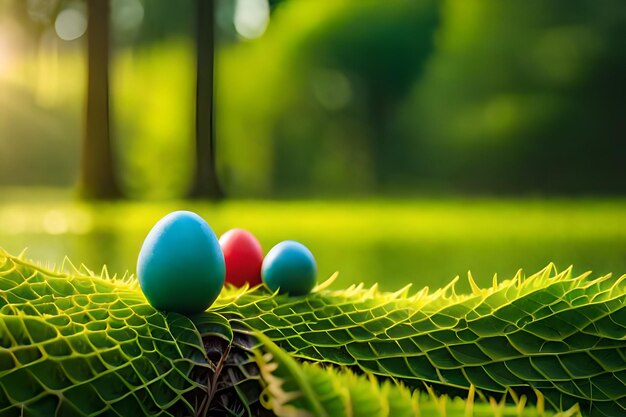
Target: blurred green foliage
x: 154, y: 118
x: 338, y: 98
x: 522, y: 96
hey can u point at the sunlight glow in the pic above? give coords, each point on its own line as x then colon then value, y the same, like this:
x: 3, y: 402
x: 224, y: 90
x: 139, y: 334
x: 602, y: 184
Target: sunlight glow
x: 4, y: 56
x: 251, y: 18
x: 6, y: 52
x: 55, y: 222
x: 71, y: 24
x: 127, y: 16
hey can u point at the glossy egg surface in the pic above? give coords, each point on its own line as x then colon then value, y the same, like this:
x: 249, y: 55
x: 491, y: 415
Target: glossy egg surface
x: 243, y: 255
x: 290, y: 268
x: 181, y: 264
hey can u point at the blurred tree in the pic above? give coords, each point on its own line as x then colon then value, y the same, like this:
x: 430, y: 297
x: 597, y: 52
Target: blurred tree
x: 511, y: 98
x: 98, y: 179
x: 383, y: 48
x: 523, y: 98
x: 205, y: 183
x: 317, y: 94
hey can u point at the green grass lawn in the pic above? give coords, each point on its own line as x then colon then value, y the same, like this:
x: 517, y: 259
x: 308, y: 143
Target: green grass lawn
x: 425, y: 242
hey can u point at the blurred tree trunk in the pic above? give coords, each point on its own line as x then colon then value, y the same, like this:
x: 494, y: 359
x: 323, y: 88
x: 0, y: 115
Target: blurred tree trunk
x: 98, y: 179
x: 206, y: 184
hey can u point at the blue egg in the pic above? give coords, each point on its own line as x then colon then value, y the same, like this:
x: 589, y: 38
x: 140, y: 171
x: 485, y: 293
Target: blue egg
x: 289, y: 267
x: 181, y: 264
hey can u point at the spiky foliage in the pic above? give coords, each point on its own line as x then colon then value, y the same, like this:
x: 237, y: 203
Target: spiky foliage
x: 295, y: 389
x: 562, y: 335
x: 79, y: 344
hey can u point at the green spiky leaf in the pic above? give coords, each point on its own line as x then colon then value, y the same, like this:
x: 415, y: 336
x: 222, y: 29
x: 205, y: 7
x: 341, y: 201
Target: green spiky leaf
x: 552, y: 332
x: 80, y: 344
x: 294, y: 389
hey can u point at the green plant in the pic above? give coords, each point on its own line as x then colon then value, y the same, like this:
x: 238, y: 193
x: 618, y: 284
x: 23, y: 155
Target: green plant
x: 294, y: 389
x: 80, y: 344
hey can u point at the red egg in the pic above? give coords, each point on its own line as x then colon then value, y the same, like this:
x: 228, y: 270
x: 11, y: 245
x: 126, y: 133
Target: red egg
x: 243, y: 256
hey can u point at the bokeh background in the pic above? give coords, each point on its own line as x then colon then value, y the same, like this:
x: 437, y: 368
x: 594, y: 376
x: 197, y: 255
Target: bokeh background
x: 404, y: 141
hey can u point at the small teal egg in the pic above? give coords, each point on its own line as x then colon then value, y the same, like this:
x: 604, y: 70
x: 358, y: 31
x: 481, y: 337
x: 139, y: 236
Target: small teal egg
x: 290, y: 268
x: 181, y: 264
